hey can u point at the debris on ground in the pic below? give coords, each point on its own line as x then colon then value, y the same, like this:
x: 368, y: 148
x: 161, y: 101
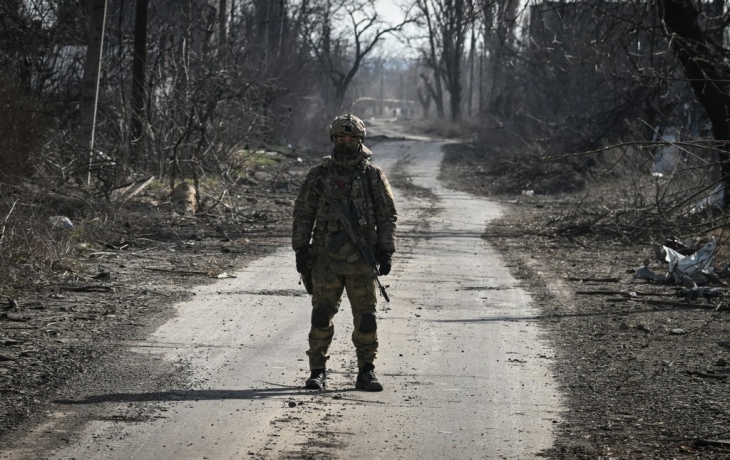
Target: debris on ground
x: 688, y: 266
x: 61, y: 222
x: 628, y: 393
x: 715, y: 199
x: 699, y: 292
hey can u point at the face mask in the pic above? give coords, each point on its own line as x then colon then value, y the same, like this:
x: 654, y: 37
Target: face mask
x: 347, y: 148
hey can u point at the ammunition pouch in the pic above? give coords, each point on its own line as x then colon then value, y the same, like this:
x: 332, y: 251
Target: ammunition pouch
x: 340, y: 247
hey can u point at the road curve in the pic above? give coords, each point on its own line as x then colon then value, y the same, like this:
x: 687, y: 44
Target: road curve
x: 464, y: 366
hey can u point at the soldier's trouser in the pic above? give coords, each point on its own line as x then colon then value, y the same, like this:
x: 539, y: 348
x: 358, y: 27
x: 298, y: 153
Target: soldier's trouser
x: 328, y: 288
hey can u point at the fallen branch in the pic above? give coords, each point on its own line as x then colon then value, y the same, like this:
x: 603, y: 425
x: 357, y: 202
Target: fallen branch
x: 88, y: 288
x: 712, y: 442
x: 627, y: 294
x: 669, y: 303
x: 595, y: 280
x: 5, y: 222
x: 126, y: 192
x: 220, y: 198
x: 179, y: 272
x: 705, y: 375
x: 94, y: 255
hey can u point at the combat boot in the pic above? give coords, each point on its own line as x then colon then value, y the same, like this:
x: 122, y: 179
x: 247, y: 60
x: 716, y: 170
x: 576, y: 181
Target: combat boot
x: 316, y: 380
x: 366, y: 379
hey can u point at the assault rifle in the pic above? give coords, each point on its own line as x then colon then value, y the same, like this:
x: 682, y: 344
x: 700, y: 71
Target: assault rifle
x: 352, y: 228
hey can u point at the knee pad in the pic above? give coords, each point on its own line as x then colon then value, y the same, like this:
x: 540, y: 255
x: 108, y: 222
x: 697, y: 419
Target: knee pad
x: 367, y: 323
x: 320, y: 317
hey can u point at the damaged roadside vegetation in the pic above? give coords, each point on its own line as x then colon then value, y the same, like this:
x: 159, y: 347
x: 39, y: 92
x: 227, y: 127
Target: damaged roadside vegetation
x: 642, y: 363
x: 627, y: 262
x: 86, y: 274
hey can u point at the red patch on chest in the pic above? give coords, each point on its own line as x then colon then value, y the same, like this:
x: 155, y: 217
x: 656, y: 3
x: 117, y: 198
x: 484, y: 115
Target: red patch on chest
x: 341, y: 184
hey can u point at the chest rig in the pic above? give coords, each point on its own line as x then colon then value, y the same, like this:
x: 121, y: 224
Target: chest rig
x: 351, y: 189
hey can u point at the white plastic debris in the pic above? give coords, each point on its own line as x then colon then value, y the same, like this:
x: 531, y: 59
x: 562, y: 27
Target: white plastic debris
x: 690, y: 271
x: 667, y: 157
x: 698, y: 263
x: 666, y: 160
x: 716, y: 198
x: 61, y: 221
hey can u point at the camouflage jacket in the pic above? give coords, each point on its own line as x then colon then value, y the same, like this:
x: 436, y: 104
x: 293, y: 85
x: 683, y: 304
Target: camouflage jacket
x: 363, y: 186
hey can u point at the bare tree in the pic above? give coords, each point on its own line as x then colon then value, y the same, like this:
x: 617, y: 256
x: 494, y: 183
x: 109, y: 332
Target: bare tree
x: 432, y: 59
x: 454, y: 25
x: 703, y: 58
x: 447, y: 24
x: 341, y: 56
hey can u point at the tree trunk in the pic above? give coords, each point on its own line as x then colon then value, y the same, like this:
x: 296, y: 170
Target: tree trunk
x: 222, y: 32
x: 90, y: 83
x: 138, y: 82
x: 438, y: 97
x: 437, y: 92
x: 701, y: 67
x: 453, y: 33
x: 425, y: 101
x: 182, y: 86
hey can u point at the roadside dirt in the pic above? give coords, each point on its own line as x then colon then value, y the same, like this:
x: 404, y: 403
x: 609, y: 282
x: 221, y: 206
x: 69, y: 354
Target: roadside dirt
x: 69, y: 327
x: 645, y: 376
x: 66, y: 332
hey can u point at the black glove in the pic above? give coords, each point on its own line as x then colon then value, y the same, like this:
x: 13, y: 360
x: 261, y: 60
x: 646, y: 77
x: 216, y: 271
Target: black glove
x: 303, y: 259
x: 385, y: 260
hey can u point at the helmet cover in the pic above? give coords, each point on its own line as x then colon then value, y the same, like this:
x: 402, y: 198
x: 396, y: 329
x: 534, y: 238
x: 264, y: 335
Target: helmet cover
x: 347, y: 124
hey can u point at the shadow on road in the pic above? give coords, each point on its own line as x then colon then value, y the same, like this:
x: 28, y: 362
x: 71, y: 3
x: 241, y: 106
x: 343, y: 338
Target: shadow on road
x: 563, y: 315
x: 201, y: 395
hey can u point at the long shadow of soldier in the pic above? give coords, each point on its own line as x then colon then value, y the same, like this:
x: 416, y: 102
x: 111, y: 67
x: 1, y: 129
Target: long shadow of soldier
x: 203, y: 395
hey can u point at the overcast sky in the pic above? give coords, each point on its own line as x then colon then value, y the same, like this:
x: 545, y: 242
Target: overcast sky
x: 390, y: 12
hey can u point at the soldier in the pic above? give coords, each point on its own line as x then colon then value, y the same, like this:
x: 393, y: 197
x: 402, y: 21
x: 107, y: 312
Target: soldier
x: 323, y: 246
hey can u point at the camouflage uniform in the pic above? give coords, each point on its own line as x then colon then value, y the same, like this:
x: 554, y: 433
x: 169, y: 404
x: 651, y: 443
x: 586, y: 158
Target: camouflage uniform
x: 338, y: 265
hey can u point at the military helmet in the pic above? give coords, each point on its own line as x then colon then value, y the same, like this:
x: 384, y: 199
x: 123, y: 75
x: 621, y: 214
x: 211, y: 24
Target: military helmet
x: 347, y: 123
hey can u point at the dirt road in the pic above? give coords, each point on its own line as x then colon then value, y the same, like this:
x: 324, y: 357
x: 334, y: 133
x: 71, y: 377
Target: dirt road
x: 464, y: 368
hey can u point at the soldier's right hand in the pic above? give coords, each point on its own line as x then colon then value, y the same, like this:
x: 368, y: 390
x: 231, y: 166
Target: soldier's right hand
x: 303, y: 257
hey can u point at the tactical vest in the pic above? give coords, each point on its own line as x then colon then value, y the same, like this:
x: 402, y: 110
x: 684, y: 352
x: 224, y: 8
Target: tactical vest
x: 353, y: 190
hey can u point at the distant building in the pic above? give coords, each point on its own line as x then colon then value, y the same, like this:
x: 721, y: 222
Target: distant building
x: 395, y: 108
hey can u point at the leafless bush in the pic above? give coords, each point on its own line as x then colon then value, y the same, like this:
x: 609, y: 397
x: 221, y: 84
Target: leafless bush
x: 33, y: 241
x: 626, y: 198
x: 23, y: 128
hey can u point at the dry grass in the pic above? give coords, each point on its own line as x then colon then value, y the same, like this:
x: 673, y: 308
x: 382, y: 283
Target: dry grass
x: 33, y: 244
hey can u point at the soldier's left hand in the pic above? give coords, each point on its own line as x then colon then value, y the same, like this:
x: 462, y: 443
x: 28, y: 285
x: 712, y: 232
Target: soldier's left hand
x: 303, y: 256
x: 385, y: 259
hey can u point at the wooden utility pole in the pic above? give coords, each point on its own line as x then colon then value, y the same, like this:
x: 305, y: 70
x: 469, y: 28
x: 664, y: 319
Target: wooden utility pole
x: 222, y: 33
x: 138, y: 82
x: 382, y: 96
